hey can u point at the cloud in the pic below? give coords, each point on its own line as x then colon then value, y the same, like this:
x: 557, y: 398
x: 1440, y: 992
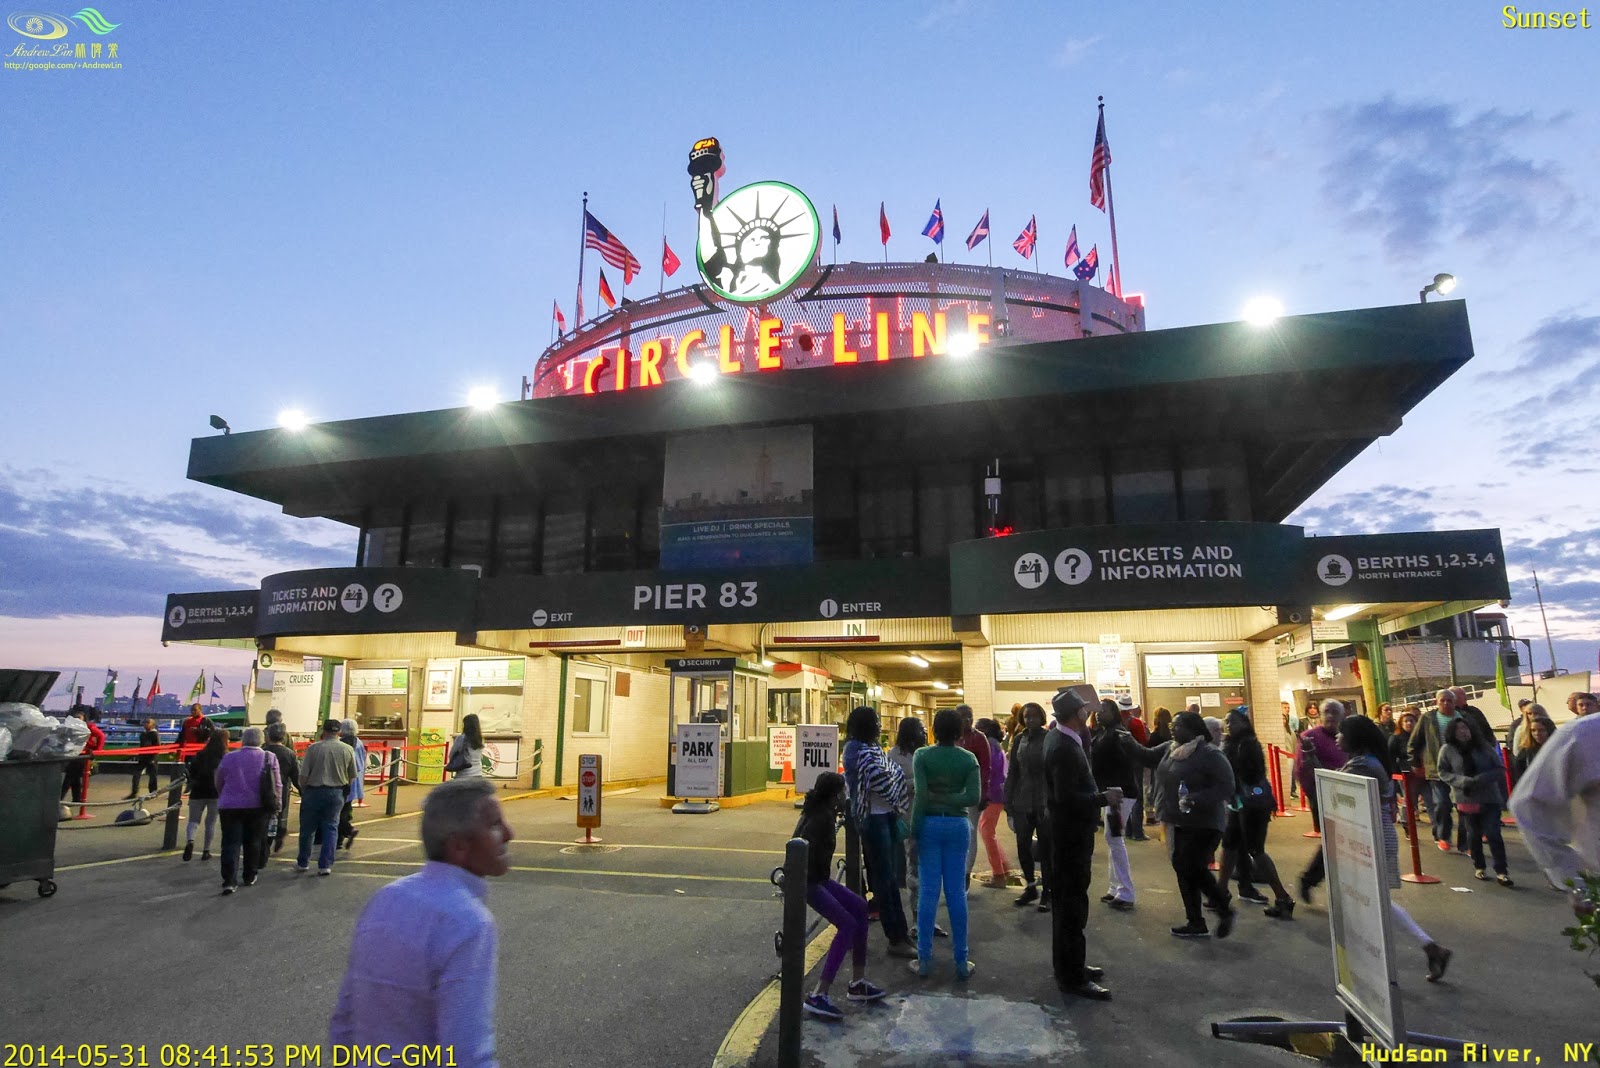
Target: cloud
x: 1076, y: 49
x: 102, y: 551
x: 1386, y: 509
x: 1558, y: 341
x: 944, y: 11
x: 1419, y: 174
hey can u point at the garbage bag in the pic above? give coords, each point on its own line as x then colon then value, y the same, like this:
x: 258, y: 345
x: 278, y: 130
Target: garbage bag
x: 66, y: 739
x: 5, y: 742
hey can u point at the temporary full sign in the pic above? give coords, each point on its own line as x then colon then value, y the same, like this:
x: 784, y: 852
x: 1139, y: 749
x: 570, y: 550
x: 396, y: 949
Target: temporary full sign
x: 589, y: 790
x: 819, y: 752
x: 1358, y: 902
x: 699, y: 753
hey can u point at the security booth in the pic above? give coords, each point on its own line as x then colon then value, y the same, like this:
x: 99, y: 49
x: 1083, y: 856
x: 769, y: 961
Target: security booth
x: 732, y: 694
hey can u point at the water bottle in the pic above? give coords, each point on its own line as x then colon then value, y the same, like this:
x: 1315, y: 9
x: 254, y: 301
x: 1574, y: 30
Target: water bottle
x: 1184, y: 804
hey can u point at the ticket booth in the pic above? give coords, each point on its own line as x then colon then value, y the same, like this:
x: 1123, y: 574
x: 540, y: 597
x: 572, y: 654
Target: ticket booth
x: 731, y: 693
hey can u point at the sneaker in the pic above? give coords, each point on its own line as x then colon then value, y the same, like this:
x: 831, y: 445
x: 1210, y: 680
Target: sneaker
x: 1191, y: 930
x: 1481, y: 875
x: 1282, y: 909
x: 252, y: 880
x: 822, y: 1006
x: 919, y: 967
x: 1029, y: 895
x: 1044, y: 903
x: 1106, y: 899
x: 205, y: 854
x: 1438, y: 960
x: 229, y: 888
x: 1254, y: 897
x: 300, y: 869
x: 1444, y: 847
x: 1504, y: 880
x: 862, y: 990
x: 1122, y: 906
x: 903, y: 950
x: 324, y: 871
x: 964, y: 971
x: 188, y: 851
x: 1225, y: 922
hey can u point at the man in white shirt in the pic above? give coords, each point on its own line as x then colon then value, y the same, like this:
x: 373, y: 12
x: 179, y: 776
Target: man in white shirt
x: 436, y: 986
x: 1557, y: 805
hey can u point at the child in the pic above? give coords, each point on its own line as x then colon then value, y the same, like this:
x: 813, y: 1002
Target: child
x: 837, y: 904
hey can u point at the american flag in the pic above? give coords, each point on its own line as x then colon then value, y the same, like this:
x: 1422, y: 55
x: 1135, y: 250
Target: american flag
x: 1087, y: 267
x: 561, y: 320
x: 1099, y: 165
x: 1073, y: 255
x: 979, y: 232
x: 935, y: 227
x: 1024, y: 242
x: 611, y: 250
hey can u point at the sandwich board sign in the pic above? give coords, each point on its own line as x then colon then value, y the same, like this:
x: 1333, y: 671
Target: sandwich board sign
x: 589, y: 790
x: 1358, y: 903
x: 819, y: 752
x: 699, y: 751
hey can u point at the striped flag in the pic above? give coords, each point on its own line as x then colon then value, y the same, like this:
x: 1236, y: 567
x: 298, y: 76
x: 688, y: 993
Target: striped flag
x: 1098, y: 165
x: 1025, y: 240
x: 883, y: 225
x: 611, y: 250
x: 1073, y: 255
x: 980, y: 233
x: 935, y: 228
x: 605, y: 290
x: 561, y: 320
x: 669, y: 260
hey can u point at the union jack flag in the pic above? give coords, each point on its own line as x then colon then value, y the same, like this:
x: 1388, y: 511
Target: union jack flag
x: 1087, y: 267
x: 935, y: 227
x: 1073, y: 255
x: 1099, y: 165
x: 1024, y: 242
x: 611, y: 250
x: 979, y: 232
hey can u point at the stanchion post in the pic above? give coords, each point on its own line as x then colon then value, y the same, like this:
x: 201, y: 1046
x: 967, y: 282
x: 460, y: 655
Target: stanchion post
x: 1416, y: 875
x: 852, y: 856
x: 792, y: 951
x: 1506, y: 818
x: 391, y: 803
x: 169, y: 833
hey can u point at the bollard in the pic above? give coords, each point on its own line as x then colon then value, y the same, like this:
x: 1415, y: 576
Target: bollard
x: 791, y: 945
x: 169, y: 834
x: 1416, y: 875
x: 1506, y: 818
x: 392, y: 801
x: 852, y: 857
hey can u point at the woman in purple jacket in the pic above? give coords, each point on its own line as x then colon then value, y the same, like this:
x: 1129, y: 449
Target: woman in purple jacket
x: 1319, y: 748
x: 994, y: 792
x: 244, y: 807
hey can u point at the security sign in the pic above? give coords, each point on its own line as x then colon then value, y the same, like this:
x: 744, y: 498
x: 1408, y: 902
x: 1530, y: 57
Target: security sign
x: 589, y: 790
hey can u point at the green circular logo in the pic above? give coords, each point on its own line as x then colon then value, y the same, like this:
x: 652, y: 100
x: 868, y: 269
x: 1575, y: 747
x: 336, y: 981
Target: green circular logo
x: 757, y: 242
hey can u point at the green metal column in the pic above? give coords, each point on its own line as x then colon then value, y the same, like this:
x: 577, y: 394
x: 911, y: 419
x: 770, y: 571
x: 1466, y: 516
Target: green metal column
x: 1365, y: 632
x: 561, y: 719
x: 325, y: 701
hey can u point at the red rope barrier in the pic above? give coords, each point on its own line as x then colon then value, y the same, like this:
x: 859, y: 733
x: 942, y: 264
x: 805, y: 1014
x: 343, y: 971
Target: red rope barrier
x: 1277, y: 753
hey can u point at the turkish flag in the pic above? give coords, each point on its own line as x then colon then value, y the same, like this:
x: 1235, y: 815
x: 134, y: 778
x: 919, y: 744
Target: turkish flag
x: 883, y: 224
x: 669, y: 262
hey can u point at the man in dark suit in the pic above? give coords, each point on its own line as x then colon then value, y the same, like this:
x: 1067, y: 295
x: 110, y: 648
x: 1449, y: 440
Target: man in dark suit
x: 1075, y: 802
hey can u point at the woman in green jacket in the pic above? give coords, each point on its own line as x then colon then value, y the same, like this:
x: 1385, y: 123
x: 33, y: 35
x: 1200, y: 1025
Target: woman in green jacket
x: 947, y: 784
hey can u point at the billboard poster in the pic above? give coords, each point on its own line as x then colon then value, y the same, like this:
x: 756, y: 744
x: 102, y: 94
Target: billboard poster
x: 734, y: 498
x: 699, y: 760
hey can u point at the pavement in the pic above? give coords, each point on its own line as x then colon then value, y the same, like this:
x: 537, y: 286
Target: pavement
x: 656, y: 949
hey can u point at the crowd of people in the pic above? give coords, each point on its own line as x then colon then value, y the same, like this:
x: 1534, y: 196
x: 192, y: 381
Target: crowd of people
x: 1092, y: 764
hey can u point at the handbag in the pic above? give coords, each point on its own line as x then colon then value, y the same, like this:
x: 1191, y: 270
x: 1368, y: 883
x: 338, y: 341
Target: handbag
x: 1259, y: 797
x: 459, y: 760
x: 268, y: 787
x: 1471, y: 808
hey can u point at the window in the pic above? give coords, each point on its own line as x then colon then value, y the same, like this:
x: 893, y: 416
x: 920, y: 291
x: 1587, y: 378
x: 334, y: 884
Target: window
x: 1214, y: 482
x: 835, y: 526
x: 945, y: 508
x: 886, y: 518
x: 380, y: 542
x: 425, y: 535
x: 1143, y: 489
x: 516, y: 537
x: 611, y: 532
x: 1074, y: 490
x: 563, y: 535
x: 589, y: 702
x: 469, y: 532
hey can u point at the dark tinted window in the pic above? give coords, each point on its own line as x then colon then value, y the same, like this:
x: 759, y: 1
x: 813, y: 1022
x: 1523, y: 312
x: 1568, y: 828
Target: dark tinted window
x: 516, y: 537
x: 563, y: 535
x: 425, y: 535
x: 380, y: 542
x: 1143, y: 489
x: 469, y: 532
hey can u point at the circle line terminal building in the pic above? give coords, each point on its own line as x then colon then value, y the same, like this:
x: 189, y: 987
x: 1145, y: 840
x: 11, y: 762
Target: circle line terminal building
x: 906, y: 485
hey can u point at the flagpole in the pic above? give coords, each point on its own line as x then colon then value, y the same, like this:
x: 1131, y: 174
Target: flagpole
x: 1115, y: 274
x: 583, y: 230
x: 988, y: 243
x: 661, y: 269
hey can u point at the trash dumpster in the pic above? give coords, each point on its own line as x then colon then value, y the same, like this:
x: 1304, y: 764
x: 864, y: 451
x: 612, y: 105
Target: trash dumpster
x: 30, y: 796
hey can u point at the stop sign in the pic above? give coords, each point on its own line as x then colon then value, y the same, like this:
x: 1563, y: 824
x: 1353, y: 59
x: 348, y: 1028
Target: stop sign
x: 587, y: 778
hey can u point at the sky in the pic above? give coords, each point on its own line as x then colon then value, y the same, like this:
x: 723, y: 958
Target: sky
x: 367, y: 210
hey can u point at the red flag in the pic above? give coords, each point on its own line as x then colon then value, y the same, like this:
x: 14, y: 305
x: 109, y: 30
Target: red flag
x: 561, y: 320
x: 605, y: 290
x: 669, y: 262
x: 155, y: 688
x: 883, y: 224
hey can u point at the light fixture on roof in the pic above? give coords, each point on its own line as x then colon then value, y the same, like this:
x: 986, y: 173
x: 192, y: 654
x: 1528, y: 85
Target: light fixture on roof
x: 1344, y: 611
x: 703, y: 373
x: 917, y: 660
x: 219, y: 423
x: 937, y: 685
x: 961, y: 345
x: 960, y: 692
x: 293, y: 419
x: 767, y: 662
x: 483, y: 397
x: 1262, y: 311
x: 1442, y: 284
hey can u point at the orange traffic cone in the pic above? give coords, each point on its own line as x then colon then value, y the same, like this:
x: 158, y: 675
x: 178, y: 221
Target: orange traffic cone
x: 788, y: 772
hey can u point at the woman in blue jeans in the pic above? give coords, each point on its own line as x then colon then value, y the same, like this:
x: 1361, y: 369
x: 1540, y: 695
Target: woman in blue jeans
x: 835, y: 903
x: 877, y: 792
x: 947, y: 784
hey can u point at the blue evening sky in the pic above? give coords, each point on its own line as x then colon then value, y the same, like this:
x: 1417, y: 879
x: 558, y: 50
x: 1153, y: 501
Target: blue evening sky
x: 366, y: 209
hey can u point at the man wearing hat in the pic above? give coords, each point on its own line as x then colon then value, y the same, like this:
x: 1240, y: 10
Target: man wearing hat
x: 327, y: 767
x: 1075, y: 802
